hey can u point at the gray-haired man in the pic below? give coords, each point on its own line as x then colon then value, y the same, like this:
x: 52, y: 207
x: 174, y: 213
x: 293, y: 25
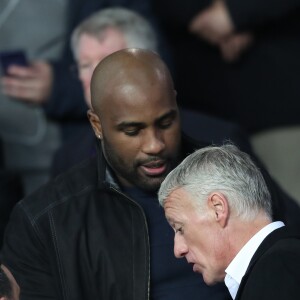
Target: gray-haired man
x: 219, y: 206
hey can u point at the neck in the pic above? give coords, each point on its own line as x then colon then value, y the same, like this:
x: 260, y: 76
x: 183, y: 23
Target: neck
x: 242, y: 231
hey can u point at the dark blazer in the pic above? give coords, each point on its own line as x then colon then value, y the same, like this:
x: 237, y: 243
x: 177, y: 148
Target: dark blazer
x: 274, y: 270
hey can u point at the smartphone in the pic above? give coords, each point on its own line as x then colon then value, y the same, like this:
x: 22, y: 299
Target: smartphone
x: 8, y: 58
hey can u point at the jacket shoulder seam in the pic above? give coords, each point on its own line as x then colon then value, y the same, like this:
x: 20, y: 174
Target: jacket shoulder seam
x: 58, y: 202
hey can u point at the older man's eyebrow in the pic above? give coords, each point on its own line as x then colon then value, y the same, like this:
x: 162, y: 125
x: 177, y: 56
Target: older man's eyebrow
x: 171, y: 221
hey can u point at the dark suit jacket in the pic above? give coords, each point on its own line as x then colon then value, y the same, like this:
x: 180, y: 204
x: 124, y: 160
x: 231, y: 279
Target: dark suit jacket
x: 274, y: 271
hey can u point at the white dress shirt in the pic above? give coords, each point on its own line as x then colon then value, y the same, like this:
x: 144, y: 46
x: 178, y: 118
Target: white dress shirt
x: 238, y: 266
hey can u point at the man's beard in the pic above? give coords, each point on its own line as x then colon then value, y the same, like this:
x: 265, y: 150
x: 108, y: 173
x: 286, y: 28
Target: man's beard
x: 129, y: 171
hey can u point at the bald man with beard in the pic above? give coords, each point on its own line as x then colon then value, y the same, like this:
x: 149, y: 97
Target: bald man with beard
x: 98, y: 231
x: 141, y: 145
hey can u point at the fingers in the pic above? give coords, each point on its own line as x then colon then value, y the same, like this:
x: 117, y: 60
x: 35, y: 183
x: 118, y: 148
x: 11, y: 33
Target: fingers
x: 214, y: 23
x: 233, y: 47
x: 20, y: 71
x: 36, y: 69
x: 31, y: 84
x: 23, y: 89
x: 202, y: 26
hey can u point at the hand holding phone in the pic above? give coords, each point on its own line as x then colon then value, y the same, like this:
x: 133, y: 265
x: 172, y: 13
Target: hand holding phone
x: 9, y: 58
x: 32, y: 83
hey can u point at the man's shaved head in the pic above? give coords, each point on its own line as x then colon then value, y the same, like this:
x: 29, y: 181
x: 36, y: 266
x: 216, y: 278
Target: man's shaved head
x: 125, y: 70
x: 135, y: 115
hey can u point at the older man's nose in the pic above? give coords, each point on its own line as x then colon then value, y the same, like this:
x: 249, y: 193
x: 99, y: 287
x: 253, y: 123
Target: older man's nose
x: 180, y: 247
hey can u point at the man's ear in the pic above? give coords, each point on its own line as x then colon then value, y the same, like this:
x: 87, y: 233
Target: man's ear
x: 219, y: 205
x: 95, y: 122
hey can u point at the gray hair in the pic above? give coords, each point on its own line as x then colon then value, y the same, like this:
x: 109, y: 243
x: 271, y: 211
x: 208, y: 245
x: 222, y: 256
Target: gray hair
x: 225, y: 169
x: 137, y: 31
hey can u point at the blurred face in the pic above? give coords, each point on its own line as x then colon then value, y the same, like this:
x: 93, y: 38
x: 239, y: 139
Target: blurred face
x: 197, y: 236
x: 91, y: 51
x: 140, y: 131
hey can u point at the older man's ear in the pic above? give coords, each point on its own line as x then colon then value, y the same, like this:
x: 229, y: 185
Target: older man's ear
x: 218, y: 203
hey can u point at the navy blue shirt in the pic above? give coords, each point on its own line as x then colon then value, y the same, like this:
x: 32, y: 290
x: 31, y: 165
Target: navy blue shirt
x: 171, y: 278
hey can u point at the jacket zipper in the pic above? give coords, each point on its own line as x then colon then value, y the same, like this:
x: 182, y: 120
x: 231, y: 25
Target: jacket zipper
x: 141, y: 209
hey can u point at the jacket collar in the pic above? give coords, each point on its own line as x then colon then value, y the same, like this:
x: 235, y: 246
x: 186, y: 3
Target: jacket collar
x: 105, y: 175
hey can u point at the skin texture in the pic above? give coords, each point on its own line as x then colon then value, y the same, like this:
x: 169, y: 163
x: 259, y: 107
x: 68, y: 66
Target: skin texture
x: 136, y: 117
x: 214, y: 24
x: 91, y: 50
x: 15, y: 286
x: 208, y: 237
x: 198, y: 238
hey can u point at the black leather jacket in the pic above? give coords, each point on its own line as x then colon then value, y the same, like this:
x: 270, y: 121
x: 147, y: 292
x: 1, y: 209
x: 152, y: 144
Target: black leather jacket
x: 82, y: 229
x: 79, y: 237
